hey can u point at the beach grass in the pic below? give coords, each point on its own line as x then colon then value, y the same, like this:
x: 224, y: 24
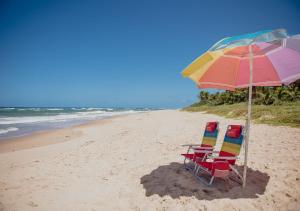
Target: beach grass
x: 287, y: 114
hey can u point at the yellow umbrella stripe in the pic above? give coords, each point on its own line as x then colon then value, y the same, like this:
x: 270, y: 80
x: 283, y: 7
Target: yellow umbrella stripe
x: 197, y: 63
x: 199, y: 66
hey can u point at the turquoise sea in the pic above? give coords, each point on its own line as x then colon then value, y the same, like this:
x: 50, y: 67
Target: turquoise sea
x: 20, y: 121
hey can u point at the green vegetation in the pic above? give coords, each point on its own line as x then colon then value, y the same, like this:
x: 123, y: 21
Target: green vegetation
x: 271, y: 105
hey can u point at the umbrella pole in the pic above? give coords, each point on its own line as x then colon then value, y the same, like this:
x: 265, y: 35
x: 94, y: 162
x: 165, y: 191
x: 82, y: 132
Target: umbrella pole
x: 248, y: 115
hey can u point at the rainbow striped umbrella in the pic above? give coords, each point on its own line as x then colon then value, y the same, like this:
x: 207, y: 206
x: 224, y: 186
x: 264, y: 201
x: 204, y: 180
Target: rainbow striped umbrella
x: 264, y: 58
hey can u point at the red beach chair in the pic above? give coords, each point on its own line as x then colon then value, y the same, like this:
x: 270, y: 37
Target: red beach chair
x: 220, y: 164
x: 208, y: 143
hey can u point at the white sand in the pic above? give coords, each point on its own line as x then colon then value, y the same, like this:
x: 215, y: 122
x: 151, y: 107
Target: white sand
x: 134, y: 163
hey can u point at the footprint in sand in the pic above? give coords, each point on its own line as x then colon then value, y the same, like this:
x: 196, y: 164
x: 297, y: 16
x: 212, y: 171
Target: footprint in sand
x: 87, y: 143
x: 207, y: 191
x: 32, y: 204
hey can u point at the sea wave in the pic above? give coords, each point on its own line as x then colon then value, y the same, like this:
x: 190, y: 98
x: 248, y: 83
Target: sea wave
x: 77, y: 109
x: 91, y: 109
x: 9, y: 129
x: 80, y: 115
x: 34, y: 109
x: 8, y: 108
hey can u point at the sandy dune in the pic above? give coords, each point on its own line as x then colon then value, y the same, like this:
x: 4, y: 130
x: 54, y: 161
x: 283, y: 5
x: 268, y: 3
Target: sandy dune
x: 133, y: 163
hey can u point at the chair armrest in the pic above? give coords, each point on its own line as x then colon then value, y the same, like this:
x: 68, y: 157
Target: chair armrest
x: 202, y: 148
x: 203, y: 151
x: 190, y: 145
x: 225, y: 157
x: 215, y: 152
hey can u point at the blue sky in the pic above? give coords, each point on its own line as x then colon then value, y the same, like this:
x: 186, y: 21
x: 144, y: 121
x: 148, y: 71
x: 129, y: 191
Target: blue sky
x: 119, y: 53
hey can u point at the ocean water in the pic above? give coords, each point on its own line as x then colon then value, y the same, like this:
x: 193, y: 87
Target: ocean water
x: 17, y: 121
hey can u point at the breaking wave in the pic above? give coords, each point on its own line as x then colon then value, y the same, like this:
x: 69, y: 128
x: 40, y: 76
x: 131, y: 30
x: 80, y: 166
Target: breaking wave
x: 9, y: 129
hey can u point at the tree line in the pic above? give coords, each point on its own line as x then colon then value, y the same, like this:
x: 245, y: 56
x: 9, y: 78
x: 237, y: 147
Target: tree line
x: 261, y: 95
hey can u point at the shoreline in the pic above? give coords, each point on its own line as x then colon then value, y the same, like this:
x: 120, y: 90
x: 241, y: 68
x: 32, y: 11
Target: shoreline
x: 16, y: 122
x: 50, y: 136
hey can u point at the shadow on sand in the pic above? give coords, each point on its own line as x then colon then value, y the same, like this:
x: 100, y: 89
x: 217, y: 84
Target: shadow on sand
x: 173, y: 180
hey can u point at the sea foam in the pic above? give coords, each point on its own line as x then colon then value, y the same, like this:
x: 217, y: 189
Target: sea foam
x: 87, y: 115
x: 9, y: 129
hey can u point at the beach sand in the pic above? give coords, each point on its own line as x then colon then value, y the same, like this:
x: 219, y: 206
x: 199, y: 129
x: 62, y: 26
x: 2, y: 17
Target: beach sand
x: 133, y: 162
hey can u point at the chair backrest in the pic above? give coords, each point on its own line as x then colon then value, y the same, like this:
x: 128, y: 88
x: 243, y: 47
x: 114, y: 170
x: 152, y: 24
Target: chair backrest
x: 210, y: 134
x: 233, y: 141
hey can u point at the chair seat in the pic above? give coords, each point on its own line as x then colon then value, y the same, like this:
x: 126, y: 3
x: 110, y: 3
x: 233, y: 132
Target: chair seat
x: 207, y: 165
x: 188, y: 156
x: 193, y: 156
x: 216, y: 168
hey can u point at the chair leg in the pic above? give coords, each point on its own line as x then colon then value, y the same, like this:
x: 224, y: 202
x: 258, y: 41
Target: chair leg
x: 202, y: 180
x: 239, y: 177
x: 195, y: 168
x: 198, y: 168
x: 184, y: 163
x: 211, y: 180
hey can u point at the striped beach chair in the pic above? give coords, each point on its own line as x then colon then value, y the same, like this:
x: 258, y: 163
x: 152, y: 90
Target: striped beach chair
x: 207, y: 145
x: 221, y: 163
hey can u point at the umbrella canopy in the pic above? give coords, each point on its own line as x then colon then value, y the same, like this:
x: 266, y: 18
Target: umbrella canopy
x: 276, y: 61
x: 264, y: 58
